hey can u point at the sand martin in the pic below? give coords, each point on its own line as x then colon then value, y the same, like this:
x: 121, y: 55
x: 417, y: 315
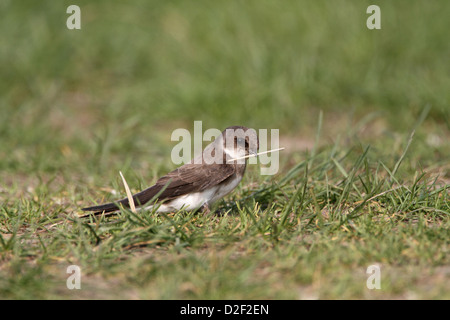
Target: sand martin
x: 201, y: 182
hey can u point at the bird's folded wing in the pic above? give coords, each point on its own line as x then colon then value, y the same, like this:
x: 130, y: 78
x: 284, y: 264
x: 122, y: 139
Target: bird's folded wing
x: 186, y: 179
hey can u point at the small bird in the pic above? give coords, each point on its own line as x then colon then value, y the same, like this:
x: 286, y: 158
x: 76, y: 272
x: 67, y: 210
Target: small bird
x: 201, y: 182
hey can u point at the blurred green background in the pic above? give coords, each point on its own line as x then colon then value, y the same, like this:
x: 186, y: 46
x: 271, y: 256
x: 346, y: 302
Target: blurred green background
x: 139, y: 69
x: 77, y: 106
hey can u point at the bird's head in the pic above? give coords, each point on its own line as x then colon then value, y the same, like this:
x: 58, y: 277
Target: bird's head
x: 239, y: 141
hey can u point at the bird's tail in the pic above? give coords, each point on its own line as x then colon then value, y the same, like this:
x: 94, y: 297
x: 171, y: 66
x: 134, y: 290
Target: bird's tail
x: 108, y: 207
x: 139, y: 199
x: 148, y: 195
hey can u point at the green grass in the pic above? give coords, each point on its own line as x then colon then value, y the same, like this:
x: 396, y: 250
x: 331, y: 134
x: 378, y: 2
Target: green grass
x: 364, y: 116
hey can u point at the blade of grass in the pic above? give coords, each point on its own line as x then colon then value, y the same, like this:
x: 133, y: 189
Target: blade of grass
x: 129, y: 195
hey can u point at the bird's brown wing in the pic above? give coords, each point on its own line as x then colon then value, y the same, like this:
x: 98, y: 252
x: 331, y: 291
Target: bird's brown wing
x: 185, y: 179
